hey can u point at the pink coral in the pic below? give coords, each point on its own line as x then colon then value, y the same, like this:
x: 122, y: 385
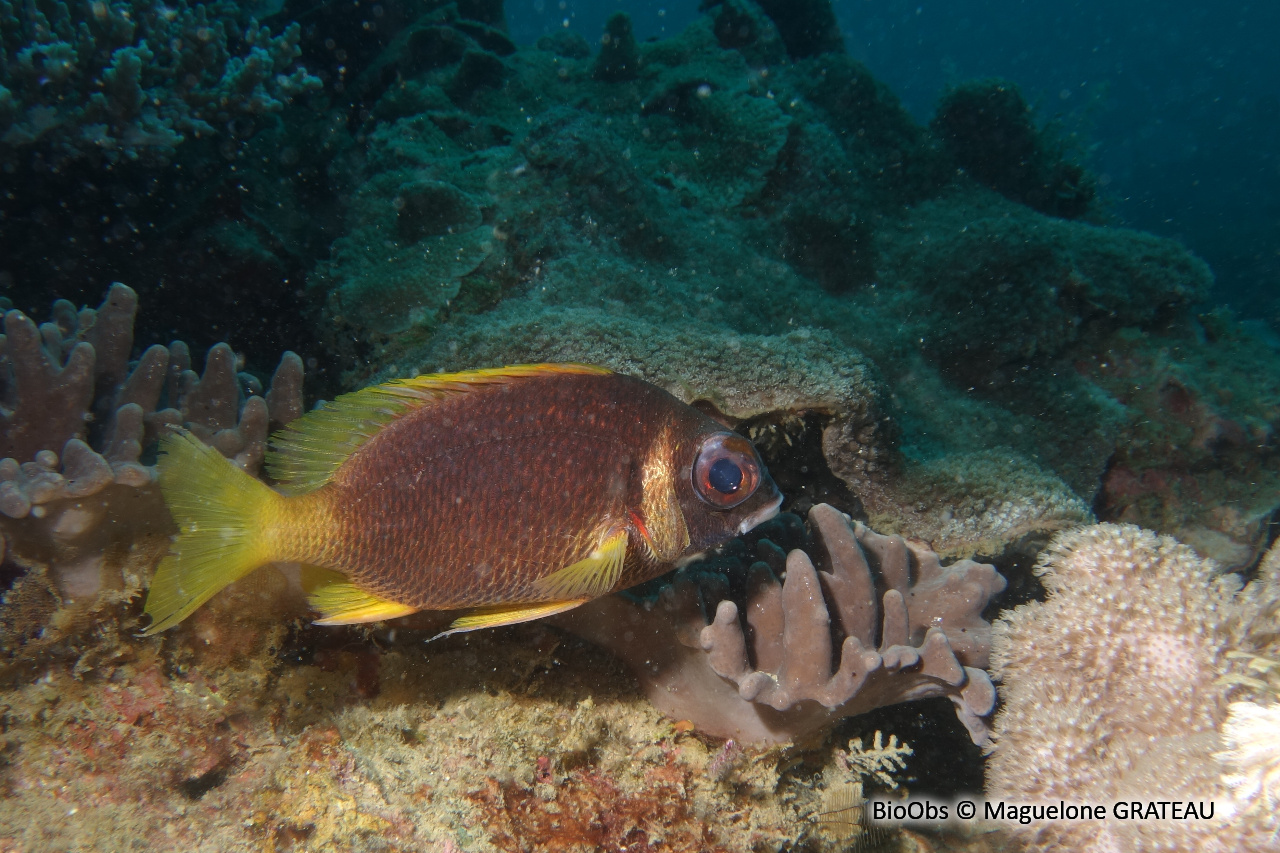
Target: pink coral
x: 778, y: 677
x: 76, y: 414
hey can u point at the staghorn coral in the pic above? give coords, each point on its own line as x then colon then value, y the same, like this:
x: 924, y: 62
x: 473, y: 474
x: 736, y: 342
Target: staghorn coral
x: 1118, y: 687
x: 908, y: 628
x: 74, y: 489
x: 126, y: 81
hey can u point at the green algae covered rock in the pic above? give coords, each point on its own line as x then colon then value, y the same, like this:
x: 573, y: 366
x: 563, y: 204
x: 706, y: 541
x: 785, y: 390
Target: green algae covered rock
x: 1007, y: 286
x: 411, y: 243
x: 741, y: 376
x: 770, y: 236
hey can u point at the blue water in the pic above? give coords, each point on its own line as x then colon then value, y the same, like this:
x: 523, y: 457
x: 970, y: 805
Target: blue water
x: 1177, y: 105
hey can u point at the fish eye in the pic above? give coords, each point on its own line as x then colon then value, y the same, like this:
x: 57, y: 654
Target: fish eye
x: 726, y: 471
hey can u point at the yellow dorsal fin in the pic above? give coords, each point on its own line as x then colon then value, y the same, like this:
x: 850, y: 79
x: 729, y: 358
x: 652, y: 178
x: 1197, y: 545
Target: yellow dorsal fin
x: 307, y: 452
x: 591, y: 577
x: 341, y: 602
x: 506, y: 614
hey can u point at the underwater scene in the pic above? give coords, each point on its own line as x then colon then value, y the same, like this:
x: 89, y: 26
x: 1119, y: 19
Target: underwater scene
x: 735, y: 425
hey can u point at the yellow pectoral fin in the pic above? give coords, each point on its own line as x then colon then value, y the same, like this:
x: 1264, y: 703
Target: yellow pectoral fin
x: 341, y: 602
x: 591, y: 577
x: 506, y: 614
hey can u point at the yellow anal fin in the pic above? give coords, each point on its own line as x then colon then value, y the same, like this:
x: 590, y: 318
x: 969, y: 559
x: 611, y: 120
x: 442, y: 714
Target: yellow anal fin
x: 341, y: 602
x: 591, y: 577
x: 506, y: 614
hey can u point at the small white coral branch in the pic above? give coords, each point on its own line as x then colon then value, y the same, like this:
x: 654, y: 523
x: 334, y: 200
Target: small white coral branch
x: 1252, y: 735
x: 878, y: 760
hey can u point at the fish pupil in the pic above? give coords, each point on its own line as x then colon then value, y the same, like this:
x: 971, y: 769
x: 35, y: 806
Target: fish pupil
x: 725, y: 476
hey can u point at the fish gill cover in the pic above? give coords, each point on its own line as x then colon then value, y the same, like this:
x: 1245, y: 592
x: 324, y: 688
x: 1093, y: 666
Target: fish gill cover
x: 938, y: 330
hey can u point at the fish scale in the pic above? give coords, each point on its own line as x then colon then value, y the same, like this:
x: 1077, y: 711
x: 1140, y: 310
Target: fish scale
x: 516, y: 492
x: 421, y: 542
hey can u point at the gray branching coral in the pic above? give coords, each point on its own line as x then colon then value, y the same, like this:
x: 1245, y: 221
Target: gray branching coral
x: 133, y: 80
x: 908, y: 628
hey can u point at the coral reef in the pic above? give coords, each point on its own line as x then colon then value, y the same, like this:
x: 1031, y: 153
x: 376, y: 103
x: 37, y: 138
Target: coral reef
x: 133, y: 80
x: 772, y: 380
x: 724, y: 193
x: 306, y: 738
x: 1052, y: 284
x: 1118, y: 687
x: 964, y: 504
x: 619, y: 58
x: 743, y: 181
x: 1199, y: 415
x: 986, y: 126
x: 741, y: 213
x: 76, y: 415
x: 881, y: 622
x: 807, y: 27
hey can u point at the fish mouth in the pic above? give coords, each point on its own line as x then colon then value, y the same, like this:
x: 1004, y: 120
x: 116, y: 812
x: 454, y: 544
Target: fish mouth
x: 760, y: 516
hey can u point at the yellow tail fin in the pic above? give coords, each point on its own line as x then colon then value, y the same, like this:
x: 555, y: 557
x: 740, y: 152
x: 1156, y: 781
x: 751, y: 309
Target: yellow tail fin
x: 218, y: 509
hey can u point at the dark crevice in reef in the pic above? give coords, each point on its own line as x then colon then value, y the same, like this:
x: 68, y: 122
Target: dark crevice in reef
x: 792, y: 451
x: 198, y: 786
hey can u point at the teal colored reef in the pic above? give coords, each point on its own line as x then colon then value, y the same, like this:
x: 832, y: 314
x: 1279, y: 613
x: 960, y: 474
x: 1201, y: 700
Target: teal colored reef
x: 1022, y: 457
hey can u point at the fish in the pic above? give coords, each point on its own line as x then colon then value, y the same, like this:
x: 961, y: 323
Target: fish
x: 507, y: 494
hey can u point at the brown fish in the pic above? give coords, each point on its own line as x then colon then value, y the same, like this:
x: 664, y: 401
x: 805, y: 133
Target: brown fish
x: 511, y: 493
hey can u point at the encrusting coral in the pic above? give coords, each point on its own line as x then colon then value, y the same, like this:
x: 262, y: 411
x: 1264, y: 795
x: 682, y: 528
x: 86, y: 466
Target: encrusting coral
x: 1119, y: 688
x: 964, y: 504
x: 906, y: 628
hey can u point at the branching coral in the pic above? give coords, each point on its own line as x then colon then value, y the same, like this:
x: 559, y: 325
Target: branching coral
x: 133, y: 80
x: 76, y: 415
x: 906, y: 628
x: 1117, y: 688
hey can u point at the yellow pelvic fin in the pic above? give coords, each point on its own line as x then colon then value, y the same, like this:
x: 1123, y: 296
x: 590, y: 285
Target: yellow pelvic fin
x: 506, y: 614
x: 591, y: 577
x: 309, y: 451
x: 219, y: 511
x: 341, y: 602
